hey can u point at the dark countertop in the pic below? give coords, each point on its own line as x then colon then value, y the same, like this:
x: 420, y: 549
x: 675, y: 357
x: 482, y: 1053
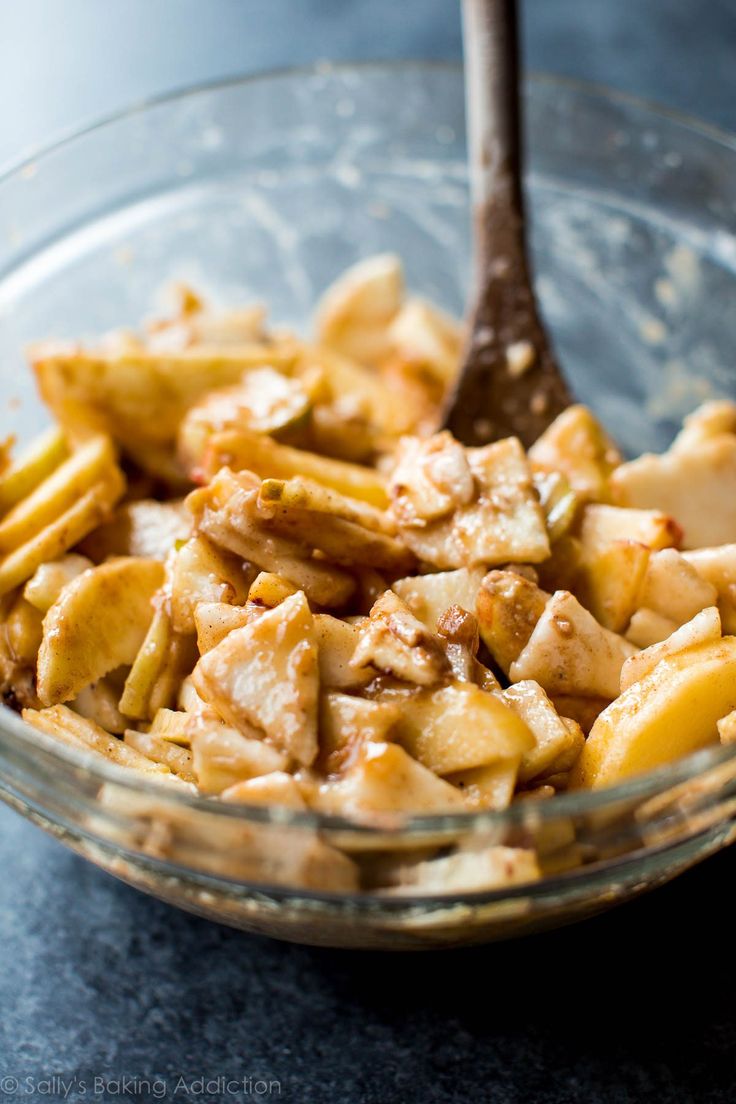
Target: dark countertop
x: 97, y: 980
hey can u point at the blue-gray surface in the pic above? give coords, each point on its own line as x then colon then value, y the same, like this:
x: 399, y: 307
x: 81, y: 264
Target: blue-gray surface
x: 99, y: 981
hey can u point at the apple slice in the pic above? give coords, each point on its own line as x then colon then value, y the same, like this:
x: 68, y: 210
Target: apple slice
x: 98, y: 623
x: 265, y: 675
x: 672, y: 711
x: 570, y: 653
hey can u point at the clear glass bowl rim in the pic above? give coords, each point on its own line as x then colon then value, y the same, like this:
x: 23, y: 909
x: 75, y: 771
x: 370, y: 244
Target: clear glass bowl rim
x: 38, y: 749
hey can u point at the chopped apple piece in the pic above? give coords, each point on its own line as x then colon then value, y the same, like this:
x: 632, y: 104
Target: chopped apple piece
x: 266, y: 675
x: 431, y: 479
x: 187, y: 699
x: 108, y: 390
x: 223, y: 756
x: 346, y: 723
x: 98, y: 702
x: 201, y: 572
x: 143, y: 528
x: 177, y: 759
x: 76, y: 731
x: 396, y: 642
x: 23, y: 632
x: 308, y: 495
x: 560, y: 503
x: 552, y: 736
x: 490, y: 787
x: 268, y: 589
x: 226, y: 513
x: 61, y: 534
x: 147, y: 666
x: 704, y: 628
x: 384, y: 779
x: 337, y: 641
x: 214, y: 620
x: 98, y: 623
x: 47, y: 583
x: 265, y: 401
x: 570, y: 653
x: 348, y: 532
x: 428, y: 596
x: 577, y: 445
x: 458, y: 727
x: 178, y: 665
x: 243, y: 449
x: 355, y: 312
x: 177, y: 726
x: 673, y: 588
x: 503, y: 522
x: 424, y: 336
x: 508, y: 607
x: 672, y: 711
x: 601, y: 524
x: 91, y: 463
x: 718, y: 567
x: 694, y: 482
x: 347, y: 383
x: 470, y: 870
x: 557, y: 772
x: 647, y: 627
x: 276, y: 788
x: 610, y: 580
x: 40, y: 459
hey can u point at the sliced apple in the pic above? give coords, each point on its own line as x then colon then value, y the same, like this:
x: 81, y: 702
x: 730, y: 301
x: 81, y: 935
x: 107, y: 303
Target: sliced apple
x: 704, y: 628
x: 214, y: 620
x: 47, y: 583
x: 718, y: 567
x: 490, y: 787
x: 458, y: 727
x: 671, y: 712
x: 275, y: 788
x: 394, y: 641
x: 346, y: 723
x: 552, y: 735
x: 179, y: 760
x: 201, y: 572
x: 337, y: 642
x: 266, y: 676
x: 385, y: 779
x: 570, y: 653
x: 68, y: 727
x: 673, y: 588
x: 508, y: 606
x: 223, y: 756
x: 428, y: 596
x: 502, y: 522
x: 695, y: 483
x: 20, y: 478
x: 647, y: 627
x: 141, y: 528
x: 98, y: 623
x: 577, y: 445
x: 355, y: 312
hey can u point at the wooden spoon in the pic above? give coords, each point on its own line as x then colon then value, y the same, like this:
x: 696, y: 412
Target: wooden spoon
x: 510, y: 383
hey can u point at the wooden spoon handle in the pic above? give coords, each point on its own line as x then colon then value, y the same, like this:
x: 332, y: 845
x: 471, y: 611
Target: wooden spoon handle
x: 490, y: 33
x: 509, y: 383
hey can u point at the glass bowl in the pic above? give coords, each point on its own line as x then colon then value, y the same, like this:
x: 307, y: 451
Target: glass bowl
x: 265, y: 189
